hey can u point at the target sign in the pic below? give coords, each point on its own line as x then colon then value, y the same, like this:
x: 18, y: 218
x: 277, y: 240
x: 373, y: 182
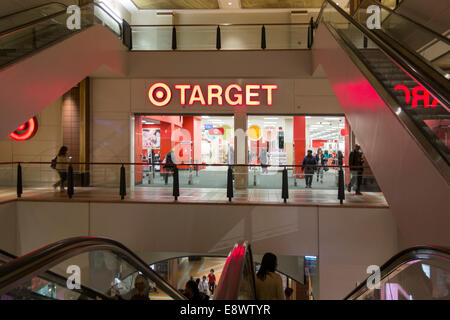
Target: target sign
x: 25, y: 131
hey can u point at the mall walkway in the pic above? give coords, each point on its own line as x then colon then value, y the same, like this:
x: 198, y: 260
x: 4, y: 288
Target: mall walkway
x: 310, y: 197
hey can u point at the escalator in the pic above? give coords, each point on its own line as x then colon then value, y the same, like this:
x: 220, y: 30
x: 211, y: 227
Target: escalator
x: 32, y: 77
x: 107, y: 270
x: 394, y: 90
x: 417, y: 273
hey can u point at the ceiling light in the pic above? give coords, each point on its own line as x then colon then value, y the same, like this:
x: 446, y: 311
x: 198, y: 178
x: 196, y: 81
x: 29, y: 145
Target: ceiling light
x: 270, y: 118
x: 205, y: 117
x: 230, y: 3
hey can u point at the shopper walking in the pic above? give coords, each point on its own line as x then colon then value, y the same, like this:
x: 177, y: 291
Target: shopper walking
x: 321, y: 161
x: 211, y: 281
x: 356, y: 162
x: 308, y: 167
x: 269, y: 285
x: 204, y: 286
x: 192, y: 293
x: 168, y: 165
x: 61, y: 167
x: 340, y: 158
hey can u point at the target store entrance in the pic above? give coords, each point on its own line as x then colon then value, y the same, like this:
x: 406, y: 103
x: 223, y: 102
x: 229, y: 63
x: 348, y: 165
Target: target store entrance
x: 203, y: 146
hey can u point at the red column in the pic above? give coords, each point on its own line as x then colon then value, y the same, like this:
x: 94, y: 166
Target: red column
x: 299, y: 140
x: 347, y: 150
x: 137, y: 148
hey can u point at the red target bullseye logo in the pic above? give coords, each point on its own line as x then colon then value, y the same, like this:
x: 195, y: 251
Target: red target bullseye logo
x: 25, y: 131
x: 159, y: 94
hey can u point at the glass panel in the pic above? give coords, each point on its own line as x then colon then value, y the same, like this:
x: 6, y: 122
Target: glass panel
x: 241, y: 37
x: 416, y: 280
x: 286, y: 36
x: 20, y: 18
x: 196, y: 38
x: 152, y: 38
x: 410, y: 35
x: 25, y: 41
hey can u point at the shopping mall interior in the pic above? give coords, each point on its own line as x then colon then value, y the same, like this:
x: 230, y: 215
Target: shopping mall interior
x: 157, y: 140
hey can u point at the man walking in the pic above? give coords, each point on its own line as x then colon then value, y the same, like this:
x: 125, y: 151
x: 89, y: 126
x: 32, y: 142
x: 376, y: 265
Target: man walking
x: 356, y: 162
x: 308, y: 167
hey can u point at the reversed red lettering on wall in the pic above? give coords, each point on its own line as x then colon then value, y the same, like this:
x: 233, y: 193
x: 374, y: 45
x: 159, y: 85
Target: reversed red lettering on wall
x: 418, y: 94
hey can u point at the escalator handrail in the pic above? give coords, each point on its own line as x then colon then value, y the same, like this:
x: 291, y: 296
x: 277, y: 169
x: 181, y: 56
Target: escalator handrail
x: 59, y: 13
x: 413, y: 65
x: 247, y: 253
x: 392, y: 12
x: 7, y: 254
x: 41, y: 260
x: 33, y: 8
x: 397, y: 260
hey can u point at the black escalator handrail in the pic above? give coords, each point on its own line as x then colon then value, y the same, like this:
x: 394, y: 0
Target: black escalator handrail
x: 57, y: 14
x: 33, y: 8
x: 7, y: 254
x: 41, y: 260
x: 413, y: 65
x: 392, y: 12
x: 410, y: 254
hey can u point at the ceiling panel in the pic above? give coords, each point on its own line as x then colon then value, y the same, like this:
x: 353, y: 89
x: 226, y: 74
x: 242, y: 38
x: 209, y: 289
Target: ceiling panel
x: 266, y: 4
x: 176, y: 4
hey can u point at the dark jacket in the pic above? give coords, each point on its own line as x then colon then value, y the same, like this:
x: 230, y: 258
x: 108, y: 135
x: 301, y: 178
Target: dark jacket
x: 321, y: 159
x: 309, y: 161
x: 340, y: 158
x: 356, y: 159
x: 200, y: 296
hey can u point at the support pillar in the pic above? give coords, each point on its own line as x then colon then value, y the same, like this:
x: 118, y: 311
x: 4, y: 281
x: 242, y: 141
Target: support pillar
x: 240, y: 150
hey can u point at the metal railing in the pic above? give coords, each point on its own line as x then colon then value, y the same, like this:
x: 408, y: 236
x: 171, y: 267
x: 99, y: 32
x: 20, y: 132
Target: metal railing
x: 225, y: 36
x: 297, y: 173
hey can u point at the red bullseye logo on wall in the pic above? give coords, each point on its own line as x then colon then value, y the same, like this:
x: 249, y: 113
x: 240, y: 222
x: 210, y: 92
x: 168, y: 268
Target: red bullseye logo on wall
x: 25, y: 131
x: 159, y: 94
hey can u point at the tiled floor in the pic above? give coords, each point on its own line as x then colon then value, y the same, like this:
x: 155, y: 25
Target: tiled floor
x: 307, y: 197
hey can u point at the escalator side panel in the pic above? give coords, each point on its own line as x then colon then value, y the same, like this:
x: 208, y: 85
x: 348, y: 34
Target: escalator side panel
x: 31, y: 84
x: 416, y: 191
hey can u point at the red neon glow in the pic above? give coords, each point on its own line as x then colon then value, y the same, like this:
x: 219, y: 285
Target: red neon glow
x: 197, y: 95
x: 157, y: 92
x: 269, y: 88
x: 160, y: 94
x: 215, y: 92
x: 419, y: 93
x: 182, y: 88
x: 30, y: 128
x: 405, y: 90
x: 249, y: 94
x: 237, y: 96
